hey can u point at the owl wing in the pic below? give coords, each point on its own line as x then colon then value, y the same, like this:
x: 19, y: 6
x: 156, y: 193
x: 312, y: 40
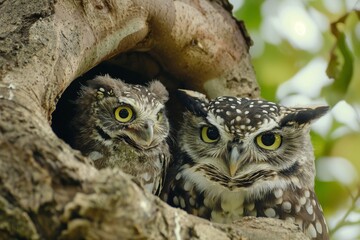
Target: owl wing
x: 296, y: 205
x: 165, y: 159
x: 178, y: 192
x: 190, y: 200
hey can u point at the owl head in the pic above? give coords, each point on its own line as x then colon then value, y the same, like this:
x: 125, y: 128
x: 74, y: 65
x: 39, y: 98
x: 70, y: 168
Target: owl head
x: 244, y: 143
x: 117, y: 111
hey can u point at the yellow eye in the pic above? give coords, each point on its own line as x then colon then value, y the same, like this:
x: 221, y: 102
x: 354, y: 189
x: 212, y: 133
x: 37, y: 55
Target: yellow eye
x: 209, y: 134
x: 269, y: 141
x: 124, y: 114
x: 159, y: 116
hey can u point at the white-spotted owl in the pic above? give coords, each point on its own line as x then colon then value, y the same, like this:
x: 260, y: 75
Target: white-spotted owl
x: 123, y: 125
x: 241, y: 157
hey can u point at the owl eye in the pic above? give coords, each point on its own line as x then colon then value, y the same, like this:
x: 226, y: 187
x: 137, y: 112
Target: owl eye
x: 209, y: 134
x: 124, y: 114
x: 159, y: 115
x: 269, y: 141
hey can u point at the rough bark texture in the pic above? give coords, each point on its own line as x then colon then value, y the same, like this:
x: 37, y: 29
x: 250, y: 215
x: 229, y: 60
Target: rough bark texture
x: 50, y: 191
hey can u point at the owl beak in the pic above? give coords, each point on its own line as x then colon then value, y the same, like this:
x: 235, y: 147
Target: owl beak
x: 234, y: 160
x: 148, y: 134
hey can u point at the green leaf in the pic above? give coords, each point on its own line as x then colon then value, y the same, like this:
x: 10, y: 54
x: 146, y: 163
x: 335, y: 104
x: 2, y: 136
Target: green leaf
x: 341, y: 64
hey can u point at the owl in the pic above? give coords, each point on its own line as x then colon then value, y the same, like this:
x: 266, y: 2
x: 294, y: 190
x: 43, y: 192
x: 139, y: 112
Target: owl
x: 119, y: 125
x: 240, y: 157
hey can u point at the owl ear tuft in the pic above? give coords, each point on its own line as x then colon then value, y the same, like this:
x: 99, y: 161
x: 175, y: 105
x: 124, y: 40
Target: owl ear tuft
x: 159, y: 90
x: 303, y: 116
x: 106, y: 82
x: 194, y: 101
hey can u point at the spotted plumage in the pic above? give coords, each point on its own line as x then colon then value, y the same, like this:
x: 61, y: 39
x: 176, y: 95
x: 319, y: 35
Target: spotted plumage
x: 124, y: 126
x: 242, y: 157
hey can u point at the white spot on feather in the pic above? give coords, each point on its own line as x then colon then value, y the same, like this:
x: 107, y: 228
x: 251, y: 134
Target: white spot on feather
x: 250, y: 206
x: 270, y: 212
x: 176, y: 201
x: 310, y: 231
x: 318, y: 227
x: 178, y: 176
x: 286, y: 206
x: 310, y: 209
x: 188, y: 186
x: 302, y: 200
x: 165, y: 197
x: 278, y: 193
x: 182, y: 202
x: 95, y: 155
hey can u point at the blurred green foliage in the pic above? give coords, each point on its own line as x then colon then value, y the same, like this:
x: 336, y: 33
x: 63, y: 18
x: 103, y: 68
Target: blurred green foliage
x: 277, y: 61
x: 341, y: 63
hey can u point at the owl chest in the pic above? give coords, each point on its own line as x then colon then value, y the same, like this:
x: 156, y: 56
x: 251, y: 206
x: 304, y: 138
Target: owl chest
x: 209, y: 200
x: 147, y: 166
x: 125, y: 157
x: 115, y: 155
x: 297, y: 205
x: 223, y: 208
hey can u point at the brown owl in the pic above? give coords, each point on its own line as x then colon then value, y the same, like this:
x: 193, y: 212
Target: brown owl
x: 122, y: 125
x: 242, y: 157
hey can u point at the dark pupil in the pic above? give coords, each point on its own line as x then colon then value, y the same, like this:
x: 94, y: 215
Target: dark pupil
x: 124, y: 113
x: 268, y: 139
x: 212, y: 133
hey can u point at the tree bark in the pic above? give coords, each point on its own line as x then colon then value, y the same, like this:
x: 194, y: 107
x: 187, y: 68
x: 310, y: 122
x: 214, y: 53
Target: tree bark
x: 50, y: 191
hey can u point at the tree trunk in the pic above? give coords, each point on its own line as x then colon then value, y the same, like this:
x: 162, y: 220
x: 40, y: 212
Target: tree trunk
x: 50, y: 191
